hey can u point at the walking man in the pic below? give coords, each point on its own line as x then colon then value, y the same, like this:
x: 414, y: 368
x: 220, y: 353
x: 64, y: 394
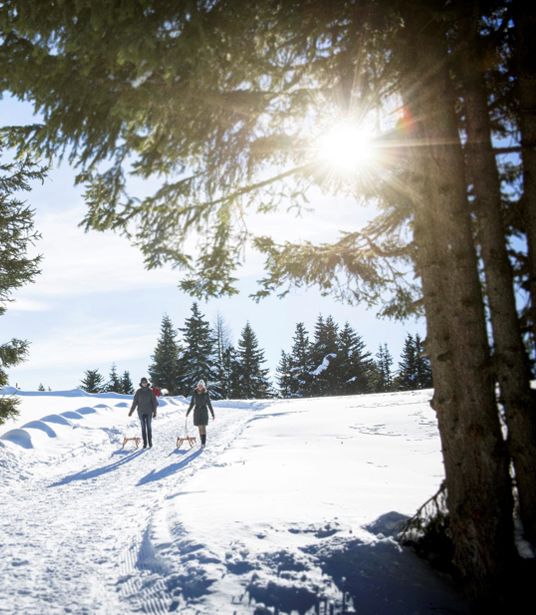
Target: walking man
x: 146, y: 402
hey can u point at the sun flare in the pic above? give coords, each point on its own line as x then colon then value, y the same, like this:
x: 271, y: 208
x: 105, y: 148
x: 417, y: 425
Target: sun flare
x: 346, y: 148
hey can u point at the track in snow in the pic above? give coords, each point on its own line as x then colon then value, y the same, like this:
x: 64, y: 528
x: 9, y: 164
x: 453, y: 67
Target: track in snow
x: 81, y: 541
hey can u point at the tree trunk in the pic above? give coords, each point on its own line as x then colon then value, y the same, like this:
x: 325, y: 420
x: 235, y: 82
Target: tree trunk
x: 525, y: 52
x: 510, y: 361
x: 476, y: 464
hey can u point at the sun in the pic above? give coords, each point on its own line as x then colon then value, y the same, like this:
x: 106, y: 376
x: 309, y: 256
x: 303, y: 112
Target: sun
x: 346, y: 148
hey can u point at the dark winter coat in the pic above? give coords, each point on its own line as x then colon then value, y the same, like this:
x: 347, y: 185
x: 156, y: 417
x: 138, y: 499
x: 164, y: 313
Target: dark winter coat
x: 201, y: 404
x: 145, y: 401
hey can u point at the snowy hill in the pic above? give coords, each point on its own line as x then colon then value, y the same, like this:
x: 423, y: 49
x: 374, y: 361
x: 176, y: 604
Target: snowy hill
x: 289, y: 509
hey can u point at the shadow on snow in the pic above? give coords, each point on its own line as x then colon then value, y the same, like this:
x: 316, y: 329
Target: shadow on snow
x: 155, y: 475
x: 88, y: 474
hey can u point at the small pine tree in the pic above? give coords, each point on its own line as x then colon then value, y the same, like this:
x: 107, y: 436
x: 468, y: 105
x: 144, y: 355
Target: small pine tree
x: 93, y: 381
x: 222, y: 358
x: 164, y: 370
x: 423, y: 366
x: 114, y: 384
x: 300, y: 363
x: 384, y: 375
x: 285, y: 377
x: 251, y: 378
x: 41, y: 387
x: 406, y: 379
x: 232, y: 368
x: 324, y: 349
x: 126, y: 384
x: 198, y: 358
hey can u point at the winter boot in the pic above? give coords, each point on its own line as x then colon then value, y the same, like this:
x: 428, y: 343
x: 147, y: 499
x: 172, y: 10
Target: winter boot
x: 203, y: 439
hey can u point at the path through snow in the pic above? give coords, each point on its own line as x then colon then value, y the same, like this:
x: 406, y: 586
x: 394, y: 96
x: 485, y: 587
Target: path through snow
x: 276, y: 514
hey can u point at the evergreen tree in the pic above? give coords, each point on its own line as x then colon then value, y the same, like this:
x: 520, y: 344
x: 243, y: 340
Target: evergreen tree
x: 353, y: 366
x: 114, y: 384
x: 414, y: 370
x: 126, y: 384
x: 325, y: 380
x: 16, y: 267
x: 41, y: 387
x: 222, y: 358
x: 384, y: 378
x: 285, y: 377
x: 300, y: 364
x: 232, y: 367
x: 93, y: 381
x: 423, y: 369
x: 406, y: 379
x: 251, y: 378
x: 198, y: 358
x: 164, y: 369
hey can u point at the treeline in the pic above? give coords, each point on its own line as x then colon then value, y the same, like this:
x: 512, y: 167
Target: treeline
x: 333, y: 361
x: 336, y: 362
x: 203, y: 351
x: 94, y: 382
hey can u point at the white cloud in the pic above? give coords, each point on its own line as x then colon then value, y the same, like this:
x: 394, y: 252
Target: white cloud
x: 87, y: 344
x: 79, y: 263
x: 22, y: 304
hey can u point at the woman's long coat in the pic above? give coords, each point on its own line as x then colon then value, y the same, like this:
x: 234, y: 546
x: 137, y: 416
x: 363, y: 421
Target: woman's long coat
x: 201, y: 404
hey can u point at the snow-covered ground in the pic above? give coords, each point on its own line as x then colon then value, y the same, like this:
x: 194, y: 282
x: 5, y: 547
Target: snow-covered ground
x: 289, y: 509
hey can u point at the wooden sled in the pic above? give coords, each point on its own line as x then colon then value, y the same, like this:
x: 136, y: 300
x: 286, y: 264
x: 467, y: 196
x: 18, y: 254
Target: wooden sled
x: 190, y: 439
x: 135, y: 439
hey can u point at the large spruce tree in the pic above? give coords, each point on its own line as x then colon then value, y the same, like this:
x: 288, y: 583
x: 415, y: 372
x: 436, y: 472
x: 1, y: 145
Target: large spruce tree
x: 17, y: 268
x: 414, y: 371
x: 354, y: 363
x: 300, y: 363
x: 251, y: 380
x: 259, y: 83
x: 324, y: 348
x: 198, y: 359
x: 164, y: 369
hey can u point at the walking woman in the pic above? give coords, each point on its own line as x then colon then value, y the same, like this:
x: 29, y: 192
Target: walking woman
x: 146, y: 402
x: 201, y: 403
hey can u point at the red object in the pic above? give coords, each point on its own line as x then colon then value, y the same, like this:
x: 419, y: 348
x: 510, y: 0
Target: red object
x: 156, y: 391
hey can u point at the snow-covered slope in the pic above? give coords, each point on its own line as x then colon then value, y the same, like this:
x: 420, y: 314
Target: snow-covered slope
x: 289, y: 508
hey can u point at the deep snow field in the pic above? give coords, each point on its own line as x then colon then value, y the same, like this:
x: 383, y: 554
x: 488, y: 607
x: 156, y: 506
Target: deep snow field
x: 290, y: 508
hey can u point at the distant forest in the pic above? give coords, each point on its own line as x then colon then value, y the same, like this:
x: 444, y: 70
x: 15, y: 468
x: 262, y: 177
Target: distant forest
x: 332, y: 360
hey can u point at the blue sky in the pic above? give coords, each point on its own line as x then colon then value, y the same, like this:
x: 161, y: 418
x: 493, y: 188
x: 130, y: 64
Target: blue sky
x: 95, y: 304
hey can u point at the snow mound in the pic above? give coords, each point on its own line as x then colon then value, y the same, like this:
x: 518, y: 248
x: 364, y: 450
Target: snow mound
x: 21, y: 437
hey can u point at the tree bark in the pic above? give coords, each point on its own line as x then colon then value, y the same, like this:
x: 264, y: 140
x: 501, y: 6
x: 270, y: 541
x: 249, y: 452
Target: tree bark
x: 474, y: 452
x: 525, y: 54
x: 510, y: 360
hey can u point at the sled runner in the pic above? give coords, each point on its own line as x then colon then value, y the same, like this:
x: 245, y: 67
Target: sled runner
x: 186, y: 438
x: 134, y: 439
